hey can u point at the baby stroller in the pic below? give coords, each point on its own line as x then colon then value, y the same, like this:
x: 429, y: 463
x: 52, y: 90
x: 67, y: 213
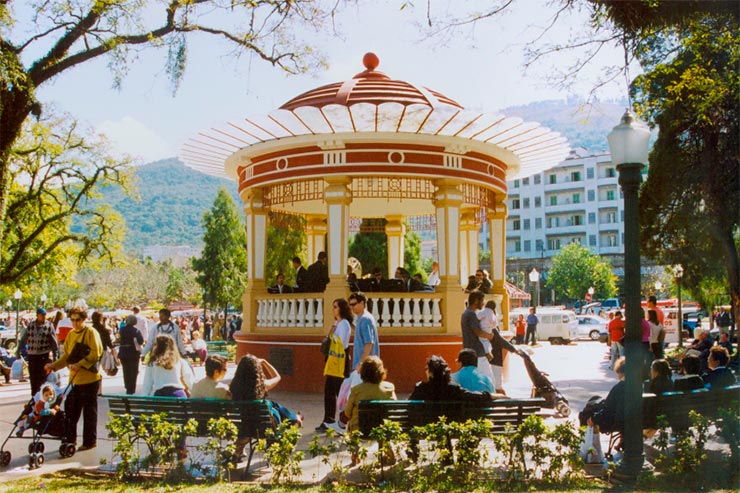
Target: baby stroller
x: 543, y: 387
x: 42, y: 420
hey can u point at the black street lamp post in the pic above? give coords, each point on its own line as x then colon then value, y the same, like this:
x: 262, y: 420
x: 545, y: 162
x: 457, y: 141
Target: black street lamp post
x: 17, y: 295
x: 628, y: 143
x: 678, y: 274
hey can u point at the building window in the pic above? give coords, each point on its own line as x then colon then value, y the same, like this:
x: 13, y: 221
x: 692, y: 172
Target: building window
x: 553, y: 244
x: 577, y: 241
x: 516, y: 183
x: 527, y: 245
x: 621, y: 214
x: 526, y: 224
x: 517, y: 246
x: 540, y: 245
x: 577, y: 220
x: 538, y: 201
x: 553, y: 179
x: 611, y: 218
x: 538, y: 223
x: 515, y: 204
x: 516, y: 225
x: 591, y: 195
x: 591, y: 218
x: 592, y: 240
x: 537, y: 179
x: 611, y: 240
x: 589, y: 173
x: 610, y: 195
x: 575, y: 176
x: 576, y: 198
x: 610, y: 173
x: 553, y: 200
x: 525, y: 182
x: 526, y: 202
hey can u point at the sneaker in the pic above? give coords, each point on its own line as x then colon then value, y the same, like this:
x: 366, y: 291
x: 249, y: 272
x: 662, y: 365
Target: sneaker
x: 337, y: 427
x: 323, y: 427
x: 87, y: 447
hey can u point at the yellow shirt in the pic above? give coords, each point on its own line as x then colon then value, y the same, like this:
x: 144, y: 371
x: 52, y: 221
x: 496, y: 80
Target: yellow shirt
x: 88, y: 366
x: 366, y: 391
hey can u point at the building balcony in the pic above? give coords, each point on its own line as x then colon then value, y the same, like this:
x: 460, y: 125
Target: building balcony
x: 566, y: 184
x: 565, y: 205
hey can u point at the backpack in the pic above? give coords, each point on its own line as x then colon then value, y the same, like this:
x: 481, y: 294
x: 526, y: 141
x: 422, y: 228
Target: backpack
x: 595, y: 405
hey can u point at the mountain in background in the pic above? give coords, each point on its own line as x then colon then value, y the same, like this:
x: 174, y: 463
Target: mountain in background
x: 174, y: 197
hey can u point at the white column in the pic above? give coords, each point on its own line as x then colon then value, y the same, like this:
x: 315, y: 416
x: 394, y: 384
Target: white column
x: 468, y: 245
x: 256, y: 229
x: 315, y: 234
x: 497, y: 240
x: 395, y: 232
x: 338, y: 197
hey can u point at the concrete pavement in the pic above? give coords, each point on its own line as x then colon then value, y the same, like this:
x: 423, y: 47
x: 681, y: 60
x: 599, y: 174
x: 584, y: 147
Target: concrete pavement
x: 579, y: 371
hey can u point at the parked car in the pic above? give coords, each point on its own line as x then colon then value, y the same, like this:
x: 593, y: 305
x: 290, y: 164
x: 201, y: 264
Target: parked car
x: 592, y: 327
x: 557, y: 325
x: 7, y: 337
x: 610, y: 304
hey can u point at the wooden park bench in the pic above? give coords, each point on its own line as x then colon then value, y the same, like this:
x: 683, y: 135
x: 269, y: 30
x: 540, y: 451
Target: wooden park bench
x: 251, y: 416
x: 409, y: 414
x: 676, y: 406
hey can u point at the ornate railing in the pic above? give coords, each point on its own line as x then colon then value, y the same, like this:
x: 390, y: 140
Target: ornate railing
x: 389, y: 310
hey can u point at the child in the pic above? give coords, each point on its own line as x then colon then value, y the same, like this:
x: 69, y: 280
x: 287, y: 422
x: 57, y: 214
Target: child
x: 209, y: 387
x: 199, y: 346
x: 488, y: 322
x: 521, y: 328
x: 43, y: 405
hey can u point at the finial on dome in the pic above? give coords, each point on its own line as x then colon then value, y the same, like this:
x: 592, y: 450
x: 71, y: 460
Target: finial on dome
x: 370, y: 61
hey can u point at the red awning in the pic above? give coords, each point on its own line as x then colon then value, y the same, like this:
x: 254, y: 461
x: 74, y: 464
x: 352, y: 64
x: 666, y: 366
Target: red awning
x: 515, y: 293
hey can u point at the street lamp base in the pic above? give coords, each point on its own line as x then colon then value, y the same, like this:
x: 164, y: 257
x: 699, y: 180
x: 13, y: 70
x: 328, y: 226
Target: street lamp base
x: 630, y: 469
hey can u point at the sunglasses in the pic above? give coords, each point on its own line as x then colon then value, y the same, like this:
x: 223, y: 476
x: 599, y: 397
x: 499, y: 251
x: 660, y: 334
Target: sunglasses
x: 352, y: 304
x: 75, y: 319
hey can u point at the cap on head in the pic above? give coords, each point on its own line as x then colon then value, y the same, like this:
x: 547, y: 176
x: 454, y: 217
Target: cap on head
x: 40, y: 311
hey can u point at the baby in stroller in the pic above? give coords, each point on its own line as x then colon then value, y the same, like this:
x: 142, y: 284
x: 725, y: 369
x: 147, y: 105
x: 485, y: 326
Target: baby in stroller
x: 46, y: 402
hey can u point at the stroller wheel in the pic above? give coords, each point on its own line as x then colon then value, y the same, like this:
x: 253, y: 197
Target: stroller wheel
x: 5, y: 458
x: 70, y: 449
x: 40, y: 448
x: 32, y: 464
x: 562, y: 408
x: 39, y: 460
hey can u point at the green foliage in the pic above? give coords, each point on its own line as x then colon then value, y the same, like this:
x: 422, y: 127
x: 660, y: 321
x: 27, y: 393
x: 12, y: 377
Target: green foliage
x: 329, y: 449
x: 391, y: 441
x: 728, y: 427
x: 412, y: 253
x: 575, y: 269
x: 281, y: 454
x: 220, y: 447
x: 222, y: 268
x: 283, y: 243
x: 124, y: 433
x: 57, y: 170
x: 371, y: 249
x: 689, y: 90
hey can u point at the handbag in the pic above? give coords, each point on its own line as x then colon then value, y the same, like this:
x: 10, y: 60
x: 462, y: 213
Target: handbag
x: 108, y: 363
x: 349, y: 382
x: 335, y: 359
x: 325, y: 345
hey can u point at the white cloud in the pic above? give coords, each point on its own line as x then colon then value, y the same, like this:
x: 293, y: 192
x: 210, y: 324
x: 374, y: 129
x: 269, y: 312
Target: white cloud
x: 130, y: 136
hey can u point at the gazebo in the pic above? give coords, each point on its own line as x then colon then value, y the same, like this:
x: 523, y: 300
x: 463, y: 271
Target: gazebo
x: 372, y: 147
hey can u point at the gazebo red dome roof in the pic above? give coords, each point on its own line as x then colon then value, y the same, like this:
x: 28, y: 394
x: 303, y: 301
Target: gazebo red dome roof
x: 369, y: 86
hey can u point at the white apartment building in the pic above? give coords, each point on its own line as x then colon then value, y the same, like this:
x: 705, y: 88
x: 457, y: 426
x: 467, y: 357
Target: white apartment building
x: 579, y: 200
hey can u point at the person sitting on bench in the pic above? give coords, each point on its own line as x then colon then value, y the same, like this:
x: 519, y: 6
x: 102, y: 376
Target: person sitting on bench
x: 690, y: 377
x: 718, y: 376
x: 439, y: 386
x: 210, y: 387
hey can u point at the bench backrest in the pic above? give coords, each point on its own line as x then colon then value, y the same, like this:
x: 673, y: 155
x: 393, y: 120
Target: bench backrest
x: 252, y: 417
x: 675, y: 406
x: 419, y: 413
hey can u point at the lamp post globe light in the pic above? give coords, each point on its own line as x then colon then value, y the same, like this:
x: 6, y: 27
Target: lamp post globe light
x: 628, y: 144
x: 678, y: 274
x: 43, y: 300
x: 17, y: 295
x: 534, y: 278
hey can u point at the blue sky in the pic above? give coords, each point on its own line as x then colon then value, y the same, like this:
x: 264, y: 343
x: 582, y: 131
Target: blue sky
x: 481, y: 68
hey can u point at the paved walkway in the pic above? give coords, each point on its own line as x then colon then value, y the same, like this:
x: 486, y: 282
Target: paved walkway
x: 578, y: 371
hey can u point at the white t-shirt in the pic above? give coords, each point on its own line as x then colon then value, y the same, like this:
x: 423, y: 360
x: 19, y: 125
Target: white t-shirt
x: 179, y: 376
x: 433, y: 279
x: 487, y: 320
x: 342, y: 331
x: 142, y: 324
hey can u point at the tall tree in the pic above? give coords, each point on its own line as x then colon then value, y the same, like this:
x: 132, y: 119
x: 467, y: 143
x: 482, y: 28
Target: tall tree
x: 370, y: 248
x: 286, y: 238
x: 68, y: 33
x: 575, y: 269
x: 56, y: 169
x: 222, y: 268
x: 412, y: 253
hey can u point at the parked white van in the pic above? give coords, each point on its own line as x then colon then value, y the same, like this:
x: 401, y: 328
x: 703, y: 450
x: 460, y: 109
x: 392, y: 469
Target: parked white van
x: 557, y: 325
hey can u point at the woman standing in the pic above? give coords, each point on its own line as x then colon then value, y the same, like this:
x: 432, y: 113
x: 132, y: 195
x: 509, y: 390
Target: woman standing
x: 129, y: 352
x: 82, y: 351
x: 336, y: 367
x: 167, y: 374
x: 656, y: 341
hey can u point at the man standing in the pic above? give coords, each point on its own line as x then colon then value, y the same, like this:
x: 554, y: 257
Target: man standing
x: 616, y: 334
x: 651, y: 305
x: 280, y: 287
x: 166, y: 327
x: 41, y: 340
x: 301, y: 276
x: 366, y: 331
x: 141, y: 322
x: 532, y: 321
x: 471, y: 332
x: 318, y: 274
